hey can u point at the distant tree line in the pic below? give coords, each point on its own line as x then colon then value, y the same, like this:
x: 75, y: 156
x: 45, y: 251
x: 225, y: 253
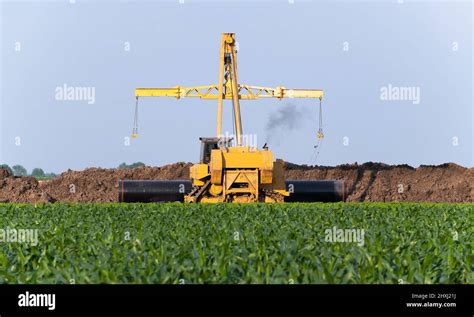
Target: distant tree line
x: 130, y: 166
x: 19, y: 170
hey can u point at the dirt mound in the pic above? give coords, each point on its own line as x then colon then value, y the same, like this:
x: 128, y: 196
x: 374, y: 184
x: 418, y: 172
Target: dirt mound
x: 20, y: 189
x: 366, y: 182
x: 4, y: 173
x: 101, y: 185
x: 380, y: 182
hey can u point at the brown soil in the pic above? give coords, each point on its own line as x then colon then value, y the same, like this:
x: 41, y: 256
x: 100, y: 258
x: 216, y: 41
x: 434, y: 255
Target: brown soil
x: 380, y: 182
x: 366, y: 182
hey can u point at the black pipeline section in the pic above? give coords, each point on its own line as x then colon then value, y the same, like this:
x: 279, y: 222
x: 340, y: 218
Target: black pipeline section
x: 174, y: 190
x: 307, y: 191
x: 132, y: 191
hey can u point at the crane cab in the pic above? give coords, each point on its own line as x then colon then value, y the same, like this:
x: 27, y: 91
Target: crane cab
x: 212, y: 143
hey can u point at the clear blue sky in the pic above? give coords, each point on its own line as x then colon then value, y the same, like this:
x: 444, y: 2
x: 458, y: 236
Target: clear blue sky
x: 422, y: 44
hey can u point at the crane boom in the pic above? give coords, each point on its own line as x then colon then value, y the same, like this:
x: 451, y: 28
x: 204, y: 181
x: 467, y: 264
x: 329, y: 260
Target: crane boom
x: 246, y: 92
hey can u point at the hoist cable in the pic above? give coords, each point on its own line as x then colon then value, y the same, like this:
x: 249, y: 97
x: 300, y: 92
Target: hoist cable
x: 135, y: 121
x: 319, y: 135
x: 320, y: 128
x: 233, y: 110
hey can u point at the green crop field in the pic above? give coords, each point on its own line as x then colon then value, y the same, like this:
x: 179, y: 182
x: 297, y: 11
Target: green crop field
x: 254, y: 243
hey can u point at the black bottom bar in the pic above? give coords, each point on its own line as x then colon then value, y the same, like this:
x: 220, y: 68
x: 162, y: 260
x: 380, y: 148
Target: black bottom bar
x: 244, y: 298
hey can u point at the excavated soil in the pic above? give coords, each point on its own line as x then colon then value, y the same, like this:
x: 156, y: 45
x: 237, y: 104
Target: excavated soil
x: 379, y: 182
x: 367, y: 182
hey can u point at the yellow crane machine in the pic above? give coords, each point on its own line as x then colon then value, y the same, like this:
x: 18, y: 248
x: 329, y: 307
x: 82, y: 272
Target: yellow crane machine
x: 229, y: 170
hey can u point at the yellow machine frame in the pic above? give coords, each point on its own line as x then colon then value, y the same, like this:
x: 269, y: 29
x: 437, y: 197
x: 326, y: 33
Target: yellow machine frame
x: 234, y: 173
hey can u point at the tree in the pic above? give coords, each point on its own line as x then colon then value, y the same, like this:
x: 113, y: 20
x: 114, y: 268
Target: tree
x: 133, y: 165
x: 5, y: 166
x: 19, y: 170
x: 136, y: 164
x: 37, y: 172
x: 122, y: 166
